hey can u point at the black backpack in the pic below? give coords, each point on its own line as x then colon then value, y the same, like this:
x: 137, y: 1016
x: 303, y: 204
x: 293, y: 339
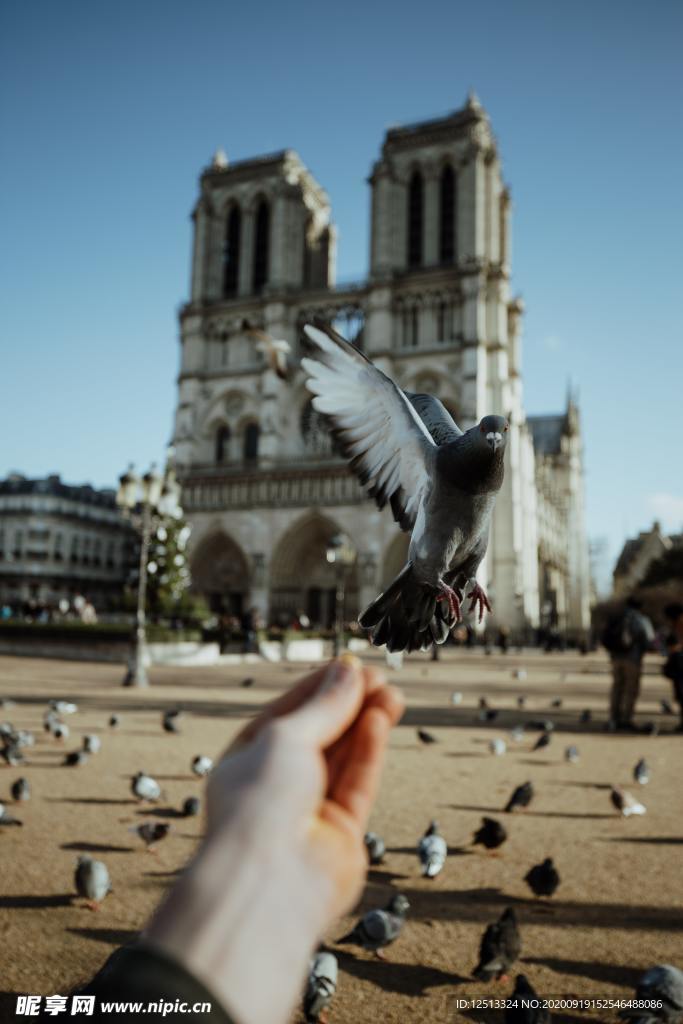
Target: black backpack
x: 617, y: 637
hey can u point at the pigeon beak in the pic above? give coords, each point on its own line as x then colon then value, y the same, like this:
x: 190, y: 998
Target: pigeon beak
x: 494, y: 439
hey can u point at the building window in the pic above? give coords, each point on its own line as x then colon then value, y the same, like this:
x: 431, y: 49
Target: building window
x: 414, y: 327
x: 447, y: 233
x: 18, y: 543
x: 222, y: 442
x: 415, y: 217
x: 261, y: 245
x: 231, y: 252
x: 58, y: 552
x: 251, y: 439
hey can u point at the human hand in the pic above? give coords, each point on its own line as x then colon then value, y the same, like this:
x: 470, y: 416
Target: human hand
x: 287, y: 809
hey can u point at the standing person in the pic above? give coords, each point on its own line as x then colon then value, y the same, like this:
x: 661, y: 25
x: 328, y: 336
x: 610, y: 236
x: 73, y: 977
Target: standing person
x: 627, y: 636
x: 673, y: 667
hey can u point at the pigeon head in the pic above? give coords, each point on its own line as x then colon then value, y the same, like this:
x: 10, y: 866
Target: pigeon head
x: 493, y: 431
x: 433, y: 828
x: 399, y: 904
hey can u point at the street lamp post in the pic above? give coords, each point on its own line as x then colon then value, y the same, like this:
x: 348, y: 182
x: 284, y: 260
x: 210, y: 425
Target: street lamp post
x: 342, y: 555
x: 144, y: 501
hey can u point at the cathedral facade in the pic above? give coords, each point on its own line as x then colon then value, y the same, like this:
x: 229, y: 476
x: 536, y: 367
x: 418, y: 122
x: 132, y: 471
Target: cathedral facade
x: 263, y: 488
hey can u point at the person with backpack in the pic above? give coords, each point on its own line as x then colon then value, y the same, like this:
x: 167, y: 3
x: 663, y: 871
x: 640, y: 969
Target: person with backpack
x: 673, y: 666
x: 627, y: 636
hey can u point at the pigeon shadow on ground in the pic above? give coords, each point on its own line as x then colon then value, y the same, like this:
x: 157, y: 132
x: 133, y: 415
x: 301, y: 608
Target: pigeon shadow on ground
x: 537, y: 763
x: 162, y: 812
x: 464, y: 753
x: 453, y: 851
x: 405, y: 979
x: 612, y: 974
x: 89, y: 800
x: 528, y: 814
x: 113, y: 936
x: 655, y: 840
x: 379, y: 876
x: 580, y: 785
x: 96, y: 848
x: 485, y: 905
x: 31, y: 902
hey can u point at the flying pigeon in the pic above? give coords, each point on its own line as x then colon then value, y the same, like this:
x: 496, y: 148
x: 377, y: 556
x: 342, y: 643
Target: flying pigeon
x: 191, y: 807
x: 168, y: 720
x: 571, y: 755
x: 144, y: 787
x: 491, y: 834
x: 21, y: 790
x: 374, y: 844
x: 7, y: 819
x: 521, y: 797
x: 625, y: 803
x: 456, y: 698
x: 497, y: 746
x: 275, y: 350
x: 114, y: 721
x: 426, y: 737
x: 500, y: 946
x: 151, y: 832
x: 441, y: 484
x: 379, y: 928
x: 201, y: 765
x: 666, y: 707
x: 92, y: 880
x: 641, y: 772
x: 75, y: 758
x: 432, y: 851
x: 542, y: 741
x: 524, y: 1005
x: 320, y: 986
x: 92, y: 743
x: 543, y: 879
x: 662, y: 988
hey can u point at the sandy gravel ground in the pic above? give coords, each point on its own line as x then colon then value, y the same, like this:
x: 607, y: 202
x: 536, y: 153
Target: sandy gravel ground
x: 619, y: 908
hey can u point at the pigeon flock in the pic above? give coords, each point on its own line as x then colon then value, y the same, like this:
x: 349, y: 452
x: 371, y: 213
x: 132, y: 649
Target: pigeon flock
x: 380, y: 927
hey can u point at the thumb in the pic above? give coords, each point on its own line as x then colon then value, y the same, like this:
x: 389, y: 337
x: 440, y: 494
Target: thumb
x: 334, y: 706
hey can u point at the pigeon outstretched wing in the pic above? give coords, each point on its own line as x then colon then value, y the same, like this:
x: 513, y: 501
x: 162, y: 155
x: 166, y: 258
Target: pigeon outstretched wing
x: 436, y: 417
x: 388, y: 445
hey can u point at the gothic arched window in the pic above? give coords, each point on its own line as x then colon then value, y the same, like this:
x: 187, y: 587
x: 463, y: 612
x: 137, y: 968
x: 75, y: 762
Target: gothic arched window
x: 231, y: 252
x: 251, y: 439
x: 222, y: 442
x: 447, y: 232
x: 261, y: 245
x: 415, y: 217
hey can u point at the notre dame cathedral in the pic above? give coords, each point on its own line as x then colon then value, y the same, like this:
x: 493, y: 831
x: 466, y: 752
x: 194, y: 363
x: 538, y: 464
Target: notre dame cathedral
x: 262, y: 486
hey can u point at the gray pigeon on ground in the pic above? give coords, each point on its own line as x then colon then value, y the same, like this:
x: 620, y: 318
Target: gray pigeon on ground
x: 320, y: 986
x: 441, y: 484
x: 144, y: 787
x: 201, y: 765
x: 114, y: 721
x: 21, y: 789
x: 500, y: 946
x: 571, y: 755
x: 426, y: 737
x: 374, y: 844
x: 7, y: 819
x: 92, y: 744
x: 497, y: 746
x: 641, y: 772
x: 151, y: 832
x: 92, y: 880
x: 542, y: 741
x: 659, y: 985
x: 525, y: 1006
x: 521, y: 797
x: 169, y: 720
x: 491, y: 834
x: 543, y: 879
x: 625, y: 802
x: 379, y: 928
x: 432, y: 851
x: 64, y: 707
x: 75, y: 758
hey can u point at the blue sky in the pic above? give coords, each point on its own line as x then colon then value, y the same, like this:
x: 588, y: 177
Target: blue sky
x: 109, y: 112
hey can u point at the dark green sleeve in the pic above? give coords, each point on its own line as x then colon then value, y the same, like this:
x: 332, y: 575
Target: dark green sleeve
x: 139, y: 973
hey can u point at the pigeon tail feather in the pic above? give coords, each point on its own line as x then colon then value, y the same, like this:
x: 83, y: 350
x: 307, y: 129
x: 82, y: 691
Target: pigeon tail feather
x: 407, y: 616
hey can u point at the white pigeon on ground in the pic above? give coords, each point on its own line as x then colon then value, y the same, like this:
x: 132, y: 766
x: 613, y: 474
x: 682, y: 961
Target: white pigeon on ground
x: 92, y: 880
x: 660, y: 993
x: 64, y: 707
x: 432, y: 851
x: 6, y: 818
x: 625, y: 802
x: 519, y: 673
x: 201, y: 765
x: 144, y: 787
x: 517, y: 733
x: 497, y: 746
x: 641, y: 772
x: 320, y: 986
x: 571, y: 755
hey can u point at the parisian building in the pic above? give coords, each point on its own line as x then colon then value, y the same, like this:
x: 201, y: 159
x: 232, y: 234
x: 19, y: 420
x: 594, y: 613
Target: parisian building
x: 263, y: 488
x: 58, y: 541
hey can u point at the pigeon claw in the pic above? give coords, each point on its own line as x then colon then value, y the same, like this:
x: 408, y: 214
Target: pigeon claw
x: 477, y: 596
x: 380, y: 954
x: 453, y: 598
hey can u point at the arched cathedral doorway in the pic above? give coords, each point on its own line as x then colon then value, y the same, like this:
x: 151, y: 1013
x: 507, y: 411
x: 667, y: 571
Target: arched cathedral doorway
x: 220, y: 572
x: 302, y: 580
